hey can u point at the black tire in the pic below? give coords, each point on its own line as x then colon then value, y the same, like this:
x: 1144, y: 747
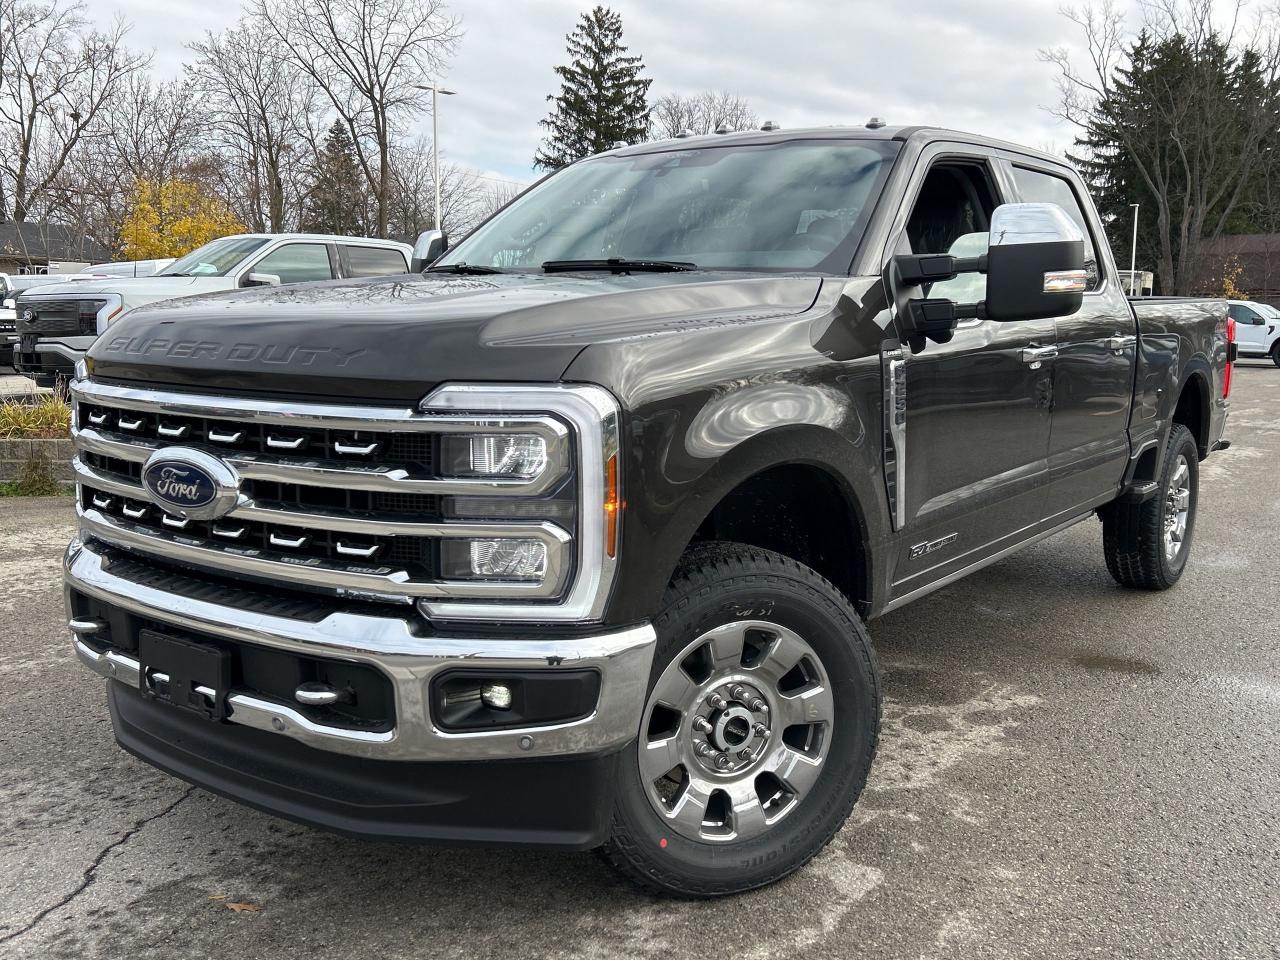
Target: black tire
x: 1275, y: 353
x: 723, y: 583
x: 1133, y: 534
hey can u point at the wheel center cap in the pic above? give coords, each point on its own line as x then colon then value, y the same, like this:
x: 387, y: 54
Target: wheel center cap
x: 733, y: 729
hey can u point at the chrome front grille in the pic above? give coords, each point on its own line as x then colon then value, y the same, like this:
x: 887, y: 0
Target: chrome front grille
x: 341, y: 499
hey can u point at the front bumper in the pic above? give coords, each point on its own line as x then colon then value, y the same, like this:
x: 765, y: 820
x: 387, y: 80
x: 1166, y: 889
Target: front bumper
x: 395, y: 643
x: 51, y: 359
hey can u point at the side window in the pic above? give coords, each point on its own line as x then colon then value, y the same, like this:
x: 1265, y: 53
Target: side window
x: 1242, y: 314
x: 952, y: 214
x: 1037, y: 187
x: 374, y: 261
x: 297, y: 263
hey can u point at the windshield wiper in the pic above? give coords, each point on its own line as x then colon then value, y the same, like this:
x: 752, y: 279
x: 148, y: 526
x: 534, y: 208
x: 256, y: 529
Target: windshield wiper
x: 465, y: 268
x: 619, y: 265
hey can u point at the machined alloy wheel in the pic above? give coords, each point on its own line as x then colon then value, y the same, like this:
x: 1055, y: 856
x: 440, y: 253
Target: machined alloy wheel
x: 736, y: 731
x: 758, y: 732
x: 1177, y: 508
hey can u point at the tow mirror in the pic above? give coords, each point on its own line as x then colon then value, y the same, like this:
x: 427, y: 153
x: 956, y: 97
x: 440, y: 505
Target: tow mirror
x: 428, y: 248
x: 262, y: 280
x: 1035, y: 265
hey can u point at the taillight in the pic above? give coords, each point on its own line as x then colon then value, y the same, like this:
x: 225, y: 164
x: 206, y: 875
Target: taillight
x: 1231, y: 351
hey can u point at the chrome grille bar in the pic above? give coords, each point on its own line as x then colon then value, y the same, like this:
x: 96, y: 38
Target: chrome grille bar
x: 385, y: 584
x: 247, y: 509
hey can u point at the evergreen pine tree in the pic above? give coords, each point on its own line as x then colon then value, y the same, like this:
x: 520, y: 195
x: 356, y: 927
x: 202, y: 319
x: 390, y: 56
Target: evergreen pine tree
x: 337, y: 200
x: 602, y: 95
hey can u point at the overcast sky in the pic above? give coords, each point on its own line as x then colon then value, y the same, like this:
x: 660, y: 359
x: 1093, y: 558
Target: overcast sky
x: 969, y: 65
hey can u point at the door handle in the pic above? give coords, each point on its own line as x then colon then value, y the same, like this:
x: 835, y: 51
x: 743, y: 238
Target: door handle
x: 1033, y: 355
x: 1118, y: 343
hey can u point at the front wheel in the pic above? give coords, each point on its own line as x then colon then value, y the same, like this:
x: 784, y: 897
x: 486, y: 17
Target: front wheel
x: 1275, y: 353
x: 759, y: 730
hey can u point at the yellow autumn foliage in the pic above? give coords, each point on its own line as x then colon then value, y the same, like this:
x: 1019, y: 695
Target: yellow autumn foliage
x: 173, y: 218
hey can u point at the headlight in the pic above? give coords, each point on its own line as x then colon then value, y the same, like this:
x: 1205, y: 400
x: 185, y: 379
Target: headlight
x: 495, y: 455
x: 505, y: 559
x: 530, y: 516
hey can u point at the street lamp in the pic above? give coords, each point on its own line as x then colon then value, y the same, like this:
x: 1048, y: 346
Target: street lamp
x: 1133, y: 251
x: 436, y: 92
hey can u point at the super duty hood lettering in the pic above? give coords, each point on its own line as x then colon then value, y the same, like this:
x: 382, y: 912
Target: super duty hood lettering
x: 239, y: 352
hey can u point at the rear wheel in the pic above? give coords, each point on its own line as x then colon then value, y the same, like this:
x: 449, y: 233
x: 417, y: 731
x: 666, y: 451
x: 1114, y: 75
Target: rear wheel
x: 1147, y: 543
x: 759, y: 730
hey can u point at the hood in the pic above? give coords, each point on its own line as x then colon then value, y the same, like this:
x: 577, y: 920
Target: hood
x: 393, y: 339
x: 133, y: 289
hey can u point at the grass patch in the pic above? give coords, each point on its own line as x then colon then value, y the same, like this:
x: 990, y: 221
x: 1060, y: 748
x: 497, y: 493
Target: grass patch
x: 46, y: 417
x: 35, y: 480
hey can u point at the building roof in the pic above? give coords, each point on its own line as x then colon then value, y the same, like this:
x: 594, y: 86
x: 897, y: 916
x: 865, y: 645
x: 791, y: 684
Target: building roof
x: 1242, y: 244
x: 37, y: 242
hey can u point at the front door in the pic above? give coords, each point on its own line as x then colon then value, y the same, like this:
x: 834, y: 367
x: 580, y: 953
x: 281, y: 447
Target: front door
x: 1251, y: 329
x: 977, y: 408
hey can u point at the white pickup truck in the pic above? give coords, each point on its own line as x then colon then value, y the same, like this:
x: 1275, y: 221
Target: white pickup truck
x: 57, y: 322
x: 1257, y: 329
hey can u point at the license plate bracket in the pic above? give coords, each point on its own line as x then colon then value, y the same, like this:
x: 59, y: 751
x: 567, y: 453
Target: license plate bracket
x: 186, y: 674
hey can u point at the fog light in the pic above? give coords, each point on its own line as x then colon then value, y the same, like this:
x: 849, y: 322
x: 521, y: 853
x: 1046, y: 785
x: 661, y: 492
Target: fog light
x: 496, y: 696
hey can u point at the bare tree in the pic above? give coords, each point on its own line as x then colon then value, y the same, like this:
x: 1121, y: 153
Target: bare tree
x: 57, y: 75
x: 261, y: 107
x: 497, y: 194
x: 699, y: 114
x: 412, y: 193
x: 1186, y: 104
x: 369, y: 58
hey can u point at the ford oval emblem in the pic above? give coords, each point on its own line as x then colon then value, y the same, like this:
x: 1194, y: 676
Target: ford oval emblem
x: 191, y: 483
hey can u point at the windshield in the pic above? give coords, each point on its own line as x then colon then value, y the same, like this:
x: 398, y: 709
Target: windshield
x: 800, y: 205
x: 216, y: 258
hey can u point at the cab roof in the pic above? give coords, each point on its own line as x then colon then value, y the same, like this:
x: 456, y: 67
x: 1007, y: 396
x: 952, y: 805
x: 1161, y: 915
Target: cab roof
x: 902, y: 134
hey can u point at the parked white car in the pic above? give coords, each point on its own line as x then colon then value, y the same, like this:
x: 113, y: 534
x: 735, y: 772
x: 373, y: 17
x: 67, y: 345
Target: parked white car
x: 57, y: 323
x: 11, y: 287
x: 130, y: 268
x: 1257, y: 329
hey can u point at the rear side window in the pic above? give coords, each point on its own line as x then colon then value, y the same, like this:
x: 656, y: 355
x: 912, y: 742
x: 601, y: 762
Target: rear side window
x: 374, y: 261
x: 1037, y: 187
x: 297, y: 263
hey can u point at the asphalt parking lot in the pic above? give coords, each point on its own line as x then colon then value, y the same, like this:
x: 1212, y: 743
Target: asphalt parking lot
x: 1067, y: 770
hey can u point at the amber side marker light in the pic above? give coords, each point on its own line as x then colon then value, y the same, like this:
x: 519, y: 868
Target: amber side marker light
x: 612, y: 506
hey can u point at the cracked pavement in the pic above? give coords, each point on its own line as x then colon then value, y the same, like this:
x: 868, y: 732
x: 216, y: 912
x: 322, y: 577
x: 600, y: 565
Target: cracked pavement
x: 1066, y: 769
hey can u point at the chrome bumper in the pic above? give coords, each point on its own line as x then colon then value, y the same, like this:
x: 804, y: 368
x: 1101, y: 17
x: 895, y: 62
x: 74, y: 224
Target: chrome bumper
x: 394, y: 645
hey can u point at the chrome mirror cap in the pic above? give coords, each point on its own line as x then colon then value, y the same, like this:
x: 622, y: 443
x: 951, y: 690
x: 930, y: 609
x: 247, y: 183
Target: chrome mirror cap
x: 1018, y: 223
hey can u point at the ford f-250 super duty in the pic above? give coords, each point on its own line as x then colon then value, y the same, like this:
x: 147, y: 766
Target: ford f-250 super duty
x: 571, y: 540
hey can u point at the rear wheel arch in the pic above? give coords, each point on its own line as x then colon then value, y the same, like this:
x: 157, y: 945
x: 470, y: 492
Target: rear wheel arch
x: 1192, y: 408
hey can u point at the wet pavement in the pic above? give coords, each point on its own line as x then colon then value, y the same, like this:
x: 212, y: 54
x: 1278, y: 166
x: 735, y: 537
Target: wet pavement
x: 1068, y: 769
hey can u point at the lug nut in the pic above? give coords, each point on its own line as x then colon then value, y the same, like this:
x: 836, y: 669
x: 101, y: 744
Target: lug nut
x: 759, y: 706
x: 760, y: 730
x: 744, y: 755
x: 722, y: 762
x: 702, y: 724
x: 703, y: 749
x: 738, y: 692
x: 716, y: 701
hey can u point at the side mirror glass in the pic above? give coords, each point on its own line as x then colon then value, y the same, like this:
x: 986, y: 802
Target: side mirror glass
x: 429, y: 247
x: 1035, y: 263
x: 262, y: 280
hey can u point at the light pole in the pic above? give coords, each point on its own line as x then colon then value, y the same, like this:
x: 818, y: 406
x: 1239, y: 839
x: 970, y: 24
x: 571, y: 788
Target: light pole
x: 1133, y: 251
x: 436, y: 92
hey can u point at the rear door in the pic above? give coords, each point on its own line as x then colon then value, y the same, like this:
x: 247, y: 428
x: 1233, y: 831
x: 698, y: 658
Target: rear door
x: 1093, y: 372
x: 361, y: 260
x: 977, y: 408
